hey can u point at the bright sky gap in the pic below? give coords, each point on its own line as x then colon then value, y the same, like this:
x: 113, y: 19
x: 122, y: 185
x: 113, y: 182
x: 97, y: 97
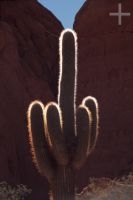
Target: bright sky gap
x: 64, y: 10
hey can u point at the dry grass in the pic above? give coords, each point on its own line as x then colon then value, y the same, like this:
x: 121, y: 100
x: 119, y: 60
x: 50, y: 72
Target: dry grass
x: 8, y: 192
x: 108, y: 189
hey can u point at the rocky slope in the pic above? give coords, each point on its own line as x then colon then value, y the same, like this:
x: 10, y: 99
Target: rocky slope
x: 28, y: 70
x: 106, y: 72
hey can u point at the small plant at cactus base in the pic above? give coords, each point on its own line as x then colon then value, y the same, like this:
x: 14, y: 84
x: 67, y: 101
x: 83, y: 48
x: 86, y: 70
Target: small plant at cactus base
x: 108, y: 189
x: 62, y: 135
x: 8, y: 192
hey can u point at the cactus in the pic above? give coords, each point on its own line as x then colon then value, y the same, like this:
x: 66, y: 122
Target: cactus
x: 62, y: 135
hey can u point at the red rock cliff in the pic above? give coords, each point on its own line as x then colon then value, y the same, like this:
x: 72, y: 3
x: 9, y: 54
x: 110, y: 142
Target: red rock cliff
x: 28, y: 70
x: 106, y: 72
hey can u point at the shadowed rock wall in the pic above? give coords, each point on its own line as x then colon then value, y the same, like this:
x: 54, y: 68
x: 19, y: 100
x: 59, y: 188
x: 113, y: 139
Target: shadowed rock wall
x: 106, y: 72
x: 28, y: 70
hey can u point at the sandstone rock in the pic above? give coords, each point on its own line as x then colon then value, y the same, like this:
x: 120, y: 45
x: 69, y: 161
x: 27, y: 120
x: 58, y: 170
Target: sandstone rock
x: 28, y: 71
x: 106, y: 72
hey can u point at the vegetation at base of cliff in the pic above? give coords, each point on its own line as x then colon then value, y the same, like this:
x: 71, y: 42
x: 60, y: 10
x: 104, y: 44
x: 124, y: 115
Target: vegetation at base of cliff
x: 8, y: 192
x: 108, y: 189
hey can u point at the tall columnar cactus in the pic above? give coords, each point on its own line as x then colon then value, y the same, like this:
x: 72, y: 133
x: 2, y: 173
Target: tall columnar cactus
x: 61, y: 134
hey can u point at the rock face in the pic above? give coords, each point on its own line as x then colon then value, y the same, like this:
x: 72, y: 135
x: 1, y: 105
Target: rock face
x: 106, y: 72
x: 28, y: 71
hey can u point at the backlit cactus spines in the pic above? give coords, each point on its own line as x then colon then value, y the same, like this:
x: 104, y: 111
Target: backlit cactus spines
x: 54, y: 133
x: 92, y: 105
x: 61, y: 134
x: 87, y: 133
x: 39, y: 147
x: 68, y: 80
x: 83, y: 136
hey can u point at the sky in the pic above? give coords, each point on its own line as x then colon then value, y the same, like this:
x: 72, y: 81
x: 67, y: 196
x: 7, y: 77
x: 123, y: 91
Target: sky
x: 64, y: 10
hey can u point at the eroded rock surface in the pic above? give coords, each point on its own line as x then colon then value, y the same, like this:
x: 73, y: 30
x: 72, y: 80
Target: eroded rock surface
x: 106, y: 72
x: 28, y: 71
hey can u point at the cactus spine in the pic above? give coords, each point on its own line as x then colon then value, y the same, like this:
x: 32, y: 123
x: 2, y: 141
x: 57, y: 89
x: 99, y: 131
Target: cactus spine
x: 62, y: 135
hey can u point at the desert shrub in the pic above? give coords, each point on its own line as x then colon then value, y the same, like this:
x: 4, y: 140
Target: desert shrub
x: 8, y: 192
x: 108, y: 189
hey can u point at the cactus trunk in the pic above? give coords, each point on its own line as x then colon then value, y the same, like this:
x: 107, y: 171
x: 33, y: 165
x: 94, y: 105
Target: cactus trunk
x: 63, y: 187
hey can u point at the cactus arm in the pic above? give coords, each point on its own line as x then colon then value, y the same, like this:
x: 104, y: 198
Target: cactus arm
x: 39, y: 148
x: 53, y: 128
x: 92, y: 105
x: 68, y: 80
x: 83, y: 136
